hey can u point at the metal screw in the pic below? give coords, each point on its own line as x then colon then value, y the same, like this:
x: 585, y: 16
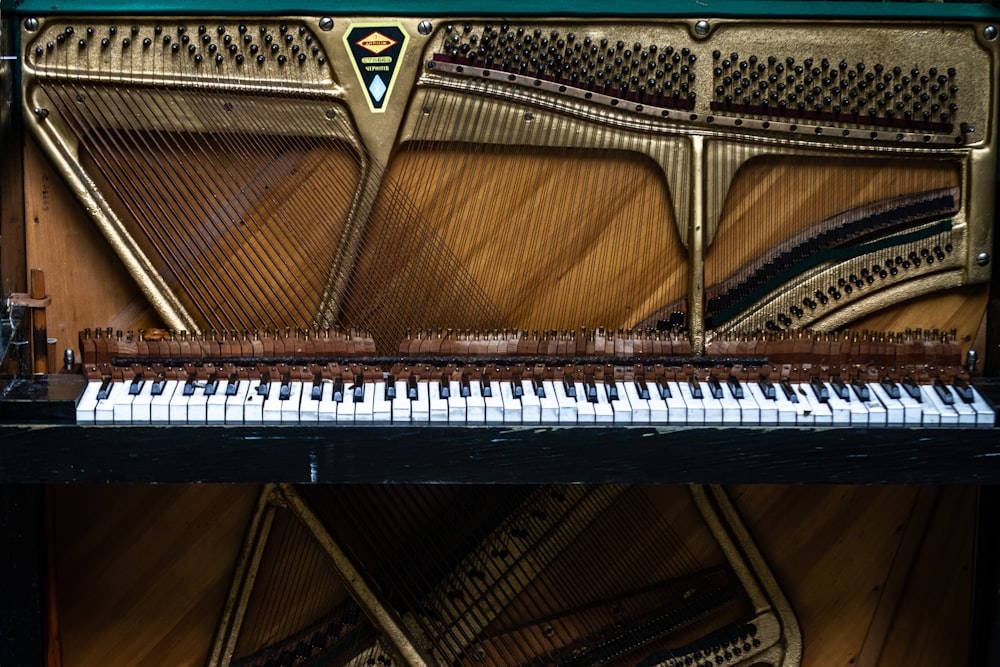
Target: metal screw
x: 31, y: 24
x: 42, y: 113
x: 326, y: 24
x: 701, y: 28
x: 990, y: 32
x: 983, y: 258
x: 425, y: 27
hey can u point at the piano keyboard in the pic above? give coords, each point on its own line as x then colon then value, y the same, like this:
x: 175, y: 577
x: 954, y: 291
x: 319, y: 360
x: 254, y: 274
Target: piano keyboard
x: 469, y: 402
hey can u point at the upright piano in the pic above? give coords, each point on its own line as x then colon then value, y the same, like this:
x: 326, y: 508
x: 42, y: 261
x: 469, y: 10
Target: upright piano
x: 569, y: 244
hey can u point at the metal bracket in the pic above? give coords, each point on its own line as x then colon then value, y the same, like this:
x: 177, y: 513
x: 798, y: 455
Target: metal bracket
x: 24, y: 299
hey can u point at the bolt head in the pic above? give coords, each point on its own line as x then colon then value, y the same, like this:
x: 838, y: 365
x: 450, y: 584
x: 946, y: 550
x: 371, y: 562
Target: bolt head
x: 701, y: 28
x: 31, y: 24
x: 983, y: 258
x: 990, y: 32
x: 425, y: 27
x: 326, y: 24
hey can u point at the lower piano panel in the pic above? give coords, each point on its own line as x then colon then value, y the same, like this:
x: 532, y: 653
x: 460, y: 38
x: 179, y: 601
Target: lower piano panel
x: 139, y: 574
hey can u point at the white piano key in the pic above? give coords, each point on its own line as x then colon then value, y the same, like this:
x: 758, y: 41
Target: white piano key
x: 658, y: 412
x: 290, y: 406
x: 585, y: 413
x: 493, y: 402
x: 475, y: 404
x: 732, y: 410
x: 677, y: 412
x: 640, y: 406
x: 401, y: 404
x: 457, y: 404
x: 438, y: 405
x: 801, y: 404
x: 272, y: 404
x: 604, y: 412
x: 966, y: 413
x: 121, y: 402
x: 947, y: 415
x: 159, y: 406
x: 364, y: 411
x: 914, y: 411
x: 567, y: 404
x: 767, y: 409
x: 531, y: 406
x: 821, y: 412
x: 712, y: 406
x: 694, y: 408
x: 985, y: 416
x: 198, y: 405
x: 381, y: 407
x: 420, y: 408
x: 104, y: 411
x: 622, y: 406
x: 215, y: 406
x: 87, y: 404
x: 309, y: 406
x: 237, y: 403
x: 749, y: 410
x: 511, y: 405
x: 895, y: 414
x: 346, y: 406
x: 549, y: 404
x: 141, y: 404
x: 326, y: 411
x: 839, y: 408
x: 253, y: 404
x: 860, y: 414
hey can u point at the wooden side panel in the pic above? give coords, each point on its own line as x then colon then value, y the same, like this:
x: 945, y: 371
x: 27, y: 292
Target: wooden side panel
x: 142, y: 572
x: 88, y: 284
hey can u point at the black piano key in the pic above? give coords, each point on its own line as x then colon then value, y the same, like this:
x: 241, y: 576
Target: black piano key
x: 465, y: 387
x: 642, y: 388
x: 611, y: 389
x: 663, y: 387
x: 189, y: 384
x: 840, y: 387
x: 285, y: 392
x: 136, y: 386
x: 211, y: 385
x: 695, y: 386
x: 591, y: 386
x: 487, y: 387
x: 105, y: 389
x: 963, y: 390
x: 338, y: 390
x: 861, y: 389
x: 819, y: 389
x: 411, y: 389
x: 942, y: 391
x: 390, y: 388
x: 890, y: 387
x: 538, y: 386
x: 789, y: 391
x: 159, y: 384
x: 714, y: 387
x: 445, y: 389
x: 735, y: 386
x: 911, y: 388
x: 515, y: 386
x: 264, y: 388
x: 233, y: 386
x: 358, y: 390
x: 316, y: 393
x: 764, y: 382
x: 569, y: 387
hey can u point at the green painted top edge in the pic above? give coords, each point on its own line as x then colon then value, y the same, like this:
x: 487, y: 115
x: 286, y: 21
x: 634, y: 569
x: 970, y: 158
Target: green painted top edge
x: 504, y: 8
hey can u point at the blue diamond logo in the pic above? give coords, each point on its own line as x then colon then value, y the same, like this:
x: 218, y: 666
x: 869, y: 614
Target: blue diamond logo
x: 377, y: 88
